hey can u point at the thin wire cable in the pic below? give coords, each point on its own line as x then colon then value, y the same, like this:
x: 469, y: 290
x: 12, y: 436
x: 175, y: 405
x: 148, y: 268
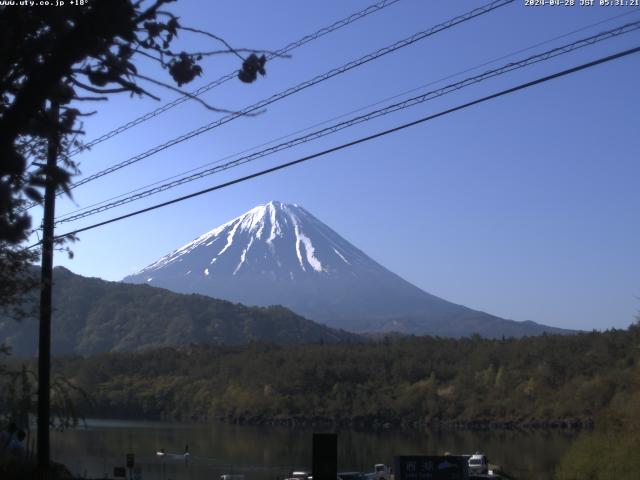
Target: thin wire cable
x: 501, y: 93
x: 411, y: 102
x: 229, y: 76
x: 343, y: 115
x: 292, y: 90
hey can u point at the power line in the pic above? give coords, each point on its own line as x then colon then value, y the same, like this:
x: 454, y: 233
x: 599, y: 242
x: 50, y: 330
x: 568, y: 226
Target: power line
x: 415, y: 89
x: 555, y: 52
x: 358, y: 141
x: 292, y: 90
x: 229, y: 76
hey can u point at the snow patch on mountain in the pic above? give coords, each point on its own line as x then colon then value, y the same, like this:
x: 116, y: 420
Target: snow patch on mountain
x: 275, y: 226
x: 341, y: 256
x: 301, y: 238
x: 243, y: 256
x: 230, y: 238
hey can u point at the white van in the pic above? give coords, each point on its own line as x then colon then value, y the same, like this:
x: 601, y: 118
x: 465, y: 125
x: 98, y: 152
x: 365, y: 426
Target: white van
x: 478, y: 463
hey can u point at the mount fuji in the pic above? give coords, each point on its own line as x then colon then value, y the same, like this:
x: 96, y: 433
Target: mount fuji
x: 279, y: 253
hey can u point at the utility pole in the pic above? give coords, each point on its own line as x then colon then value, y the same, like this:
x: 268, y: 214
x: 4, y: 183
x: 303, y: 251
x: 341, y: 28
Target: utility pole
x: 44, y: 350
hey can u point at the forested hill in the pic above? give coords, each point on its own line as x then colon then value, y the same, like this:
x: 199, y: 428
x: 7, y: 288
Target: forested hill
x: 93, y: 316
x: 534, y: 381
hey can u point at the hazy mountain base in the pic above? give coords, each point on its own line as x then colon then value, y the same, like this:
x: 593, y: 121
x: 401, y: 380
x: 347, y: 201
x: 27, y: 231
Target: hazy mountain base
x: 281, y: 254
x: 94, y: 316
x: 547, y: 381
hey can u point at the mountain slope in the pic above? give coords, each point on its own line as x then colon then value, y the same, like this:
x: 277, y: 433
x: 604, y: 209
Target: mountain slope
x: 93, y: 316
x: 281, y: 254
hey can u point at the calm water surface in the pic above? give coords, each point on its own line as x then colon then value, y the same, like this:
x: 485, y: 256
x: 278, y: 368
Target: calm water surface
x: 265, y: 453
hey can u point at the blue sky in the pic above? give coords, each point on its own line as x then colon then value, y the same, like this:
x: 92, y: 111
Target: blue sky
x: 525, y: 207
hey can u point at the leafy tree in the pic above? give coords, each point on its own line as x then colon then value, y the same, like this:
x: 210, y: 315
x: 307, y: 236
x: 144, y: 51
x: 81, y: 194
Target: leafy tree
x: 16, y: 280
x: 19, y: 395
x: 51, y: 61
x: 65, y: 57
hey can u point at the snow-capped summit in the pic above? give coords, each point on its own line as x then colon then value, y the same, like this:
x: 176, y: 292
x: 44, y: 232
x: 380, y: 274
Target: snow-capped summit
x: 279, y: 253
x: 273, y: 240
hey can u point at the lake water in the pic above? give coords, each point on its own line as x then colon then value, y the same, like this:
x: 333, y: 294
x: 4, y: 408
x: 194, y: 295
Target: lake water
x: 265, y: 453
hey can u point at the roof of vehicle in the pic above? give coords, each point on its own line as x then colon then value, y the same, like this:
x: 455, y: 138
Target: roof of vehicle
x: 344, y: 475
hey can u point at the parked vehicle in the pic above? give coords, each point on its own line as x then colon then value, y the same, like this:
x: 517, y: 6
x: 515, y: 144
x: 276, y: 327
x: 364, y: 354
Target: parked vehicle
x: 381, y: 472
x: 478, y: 463
x: 300, y: 475
x: 351, y: 476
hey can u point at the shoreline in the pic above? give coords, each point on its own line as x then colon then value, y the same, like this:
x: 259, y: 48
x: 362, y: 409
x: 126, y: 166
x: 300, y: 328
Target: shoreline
x: 573, y: 425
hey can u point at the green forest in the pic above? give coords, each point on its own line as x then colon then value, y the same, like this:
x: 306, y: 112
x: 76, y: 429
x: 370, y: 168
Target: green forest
x: 551, y: 380
x: 588, y: 381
